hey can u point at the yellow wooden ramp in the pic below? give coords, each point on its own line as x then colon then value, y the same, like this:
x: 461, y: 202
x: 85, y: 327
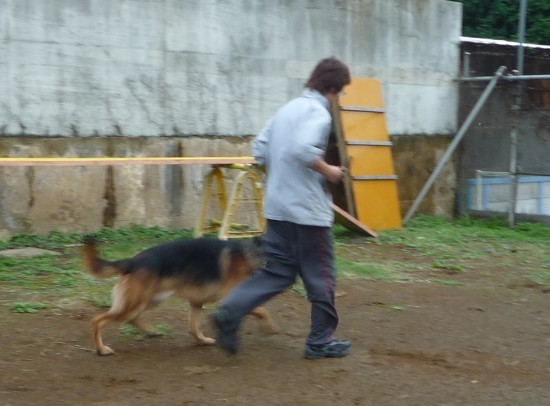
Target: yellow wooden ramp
x: 370, y: 192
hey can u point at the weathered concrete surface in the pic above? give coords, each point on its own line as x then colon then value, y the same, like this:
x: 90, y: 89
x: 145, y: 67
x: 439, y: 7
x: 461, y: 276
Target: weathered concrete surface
x: 80, y: 199
x: 205, y: 67
x: 414, y: 160
x: 179, y: 77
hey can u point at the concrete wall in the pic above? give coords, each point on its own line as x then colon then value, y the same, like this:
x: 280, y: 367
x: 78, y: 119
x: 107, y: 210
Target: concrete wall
x: 215, y: 67
x: 79, y: 199
x: 80, y: 69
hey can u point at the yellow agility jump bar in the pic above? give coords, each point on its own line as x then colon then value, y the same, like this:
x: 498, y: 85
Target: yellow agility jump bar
x: 126, y: 161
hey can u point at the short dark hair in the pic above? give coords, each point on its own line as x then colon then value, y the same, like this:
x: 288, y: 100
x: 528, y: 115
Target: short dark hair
x: 329, y: 75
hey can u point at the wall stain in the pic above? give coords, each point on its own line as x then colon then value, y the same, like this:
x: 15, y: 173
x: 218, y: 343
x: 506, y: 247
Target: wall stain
x: 29, y: 173
x: 109, y: 212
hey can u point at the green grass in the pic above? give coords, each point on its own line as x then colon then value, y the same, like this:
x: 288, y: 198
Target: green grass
x: 52, y: 276
x: 129, y: 331
x: 28, y: 307
x: 448, y: 282
x: 369, y: 270
x: 442, y: 246
x: 452, y: 243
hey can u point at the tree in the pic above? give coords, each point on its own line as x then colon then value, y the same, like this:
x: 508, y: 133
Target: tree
x: 498, y: 19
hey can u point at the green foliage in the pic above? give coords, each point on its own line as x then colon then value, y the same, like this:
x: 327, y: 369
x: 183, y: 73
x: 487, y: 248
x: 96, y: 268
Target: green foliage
x: 57, y: 239
x: 100, y: 299
x: 373, y: 271
x: 442, y: 246
x: 61, y: 276
x: 448, y: 282
x: 127, y: 330
x: 53, y: 240
x: 498, y: 19
x: 392, y: 308
x: 451, y: 245
x: 431, y: 231
x: 27, y: 307
x: 450, y: 267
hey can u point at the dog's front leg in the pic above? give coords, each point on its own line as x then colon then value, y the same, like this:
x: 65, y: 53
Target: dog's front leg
x: 195, y: 312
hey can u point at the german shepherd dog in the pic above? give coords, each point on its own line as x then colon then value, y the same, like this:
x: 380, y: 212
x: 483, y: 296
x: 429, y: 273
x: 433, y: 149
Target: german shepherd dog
x: 201, y: 270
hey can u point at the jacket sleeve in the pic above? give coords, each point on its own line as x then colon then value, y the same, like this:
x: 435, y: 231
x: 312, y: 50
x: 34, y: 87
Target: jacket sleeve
x: 312, y: 137
x: 260, y: 143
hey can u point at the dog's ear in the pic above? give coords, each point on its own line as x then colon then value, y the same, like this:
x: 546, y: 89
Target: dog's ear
x: 257, y: 252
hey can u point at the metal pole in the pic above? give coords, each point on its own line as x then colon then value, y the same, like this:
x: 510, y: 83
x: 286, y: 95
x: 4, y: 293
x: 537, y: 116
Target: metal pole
x: 521, y: 34
x: 513, y: 173
x: 507, y: 77
x: 516, y: 119
x: 466, y: 64
x: 457, y: 138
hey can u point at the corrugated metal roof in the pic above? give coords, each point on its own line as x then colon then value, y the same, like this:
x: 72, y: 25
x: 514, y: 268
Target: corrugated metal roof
x: 500, y: 42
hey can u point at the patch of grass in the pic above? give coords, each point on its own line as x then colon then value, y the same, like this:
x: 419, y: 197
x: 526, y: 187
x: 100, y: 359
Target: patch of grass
x: 27, y: 307
x: 99, y: 299
x: 424, y: 231
x: 347, y: 268
x: 540, y: 277
x: 450, y: 243
x: 392, y: 308
x: 62, y: 275
x: 444, y: 243
x: 299, y: 288
x: 448, y: 282
x: 130, y: 331
x: 450, y: 267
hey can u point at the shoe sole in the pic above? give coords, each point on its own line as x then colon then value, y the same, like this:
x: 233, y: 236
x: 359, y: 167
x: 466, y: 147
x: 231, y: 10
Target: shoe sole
x: 320, y: 356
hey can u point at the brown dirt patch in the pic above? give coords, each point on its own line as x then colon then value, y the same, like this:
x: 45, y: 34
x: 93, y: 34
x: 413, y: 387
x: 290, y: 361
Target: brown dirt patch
x: 419, y: 342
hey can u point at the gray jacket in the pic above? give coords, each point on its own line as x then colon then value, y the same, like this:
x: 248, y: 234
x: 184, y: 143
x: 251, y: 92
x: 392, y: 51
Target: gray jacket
x: 293, y: 139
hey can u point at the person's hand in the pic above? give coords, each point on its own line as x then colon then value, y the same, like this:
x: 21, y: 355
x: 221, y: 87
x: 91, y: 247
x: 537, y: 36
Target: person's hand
x: 332, y: 173
x: 335, y: 174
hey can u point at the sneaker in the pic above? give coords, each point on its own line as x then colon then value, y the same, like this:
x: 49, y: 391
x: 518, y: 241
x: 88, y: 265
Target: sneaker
x: 334, y: 349
x: 227, y: 331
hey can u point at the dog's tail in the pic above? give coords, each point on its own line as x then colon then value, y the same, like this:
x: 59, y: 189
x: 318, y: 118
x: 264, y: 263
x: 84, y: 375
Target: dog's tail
x: 94, y: 265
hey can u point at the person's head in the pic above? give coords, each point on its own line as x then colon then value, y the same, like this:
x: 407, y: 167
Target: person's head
x: 329, y: 76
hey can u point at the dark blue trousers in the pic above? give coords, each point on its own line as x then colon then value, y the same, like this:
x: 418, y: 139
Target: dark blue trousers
x: 293, y: 249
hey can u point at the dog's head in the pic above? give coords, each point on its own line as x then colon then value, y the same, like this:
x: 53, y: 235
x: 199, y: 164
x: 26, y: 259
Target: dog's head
x: 254, y: 252
x: 239, y: 259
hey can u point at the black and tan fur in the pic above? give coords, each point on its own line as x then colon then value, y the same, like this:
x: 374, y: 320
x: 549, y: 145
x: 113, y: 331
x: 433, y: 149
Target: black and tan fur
x: 201, y: 270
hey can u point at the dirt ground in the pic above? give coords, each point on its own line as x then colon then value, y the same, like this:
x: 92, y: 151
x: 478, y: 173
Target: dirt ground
x: 482, y: 340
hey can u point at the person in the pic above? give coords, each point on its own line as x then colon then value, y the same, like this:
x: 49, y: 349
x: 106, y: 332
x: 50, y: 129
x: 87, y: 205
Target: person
x: 297, y: 208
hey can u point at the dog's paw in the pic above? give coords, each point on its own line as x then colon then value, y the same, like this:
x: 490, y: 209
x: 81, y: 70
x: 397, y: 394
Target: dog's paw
x: 105, y: 350
x: 269, y: 328
x: 207, y: 341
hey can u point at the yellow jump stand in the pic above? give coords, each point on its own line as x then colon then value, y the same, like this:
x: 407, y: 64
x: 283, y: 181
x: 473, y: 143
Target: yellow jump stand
x: 214, y: 189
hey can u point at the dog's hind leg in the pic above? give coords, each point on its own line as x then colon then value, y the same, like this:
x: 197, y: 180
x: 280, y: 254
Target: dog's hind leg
x: 98, y: 323
x: 195, y: 312
x: 129, y: 300
x: 266, y: 322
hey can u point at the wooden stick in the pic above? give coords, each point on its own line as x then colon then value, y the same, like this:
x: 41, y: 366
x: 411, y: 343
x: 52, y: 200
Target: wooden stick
x: 126, y: 161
